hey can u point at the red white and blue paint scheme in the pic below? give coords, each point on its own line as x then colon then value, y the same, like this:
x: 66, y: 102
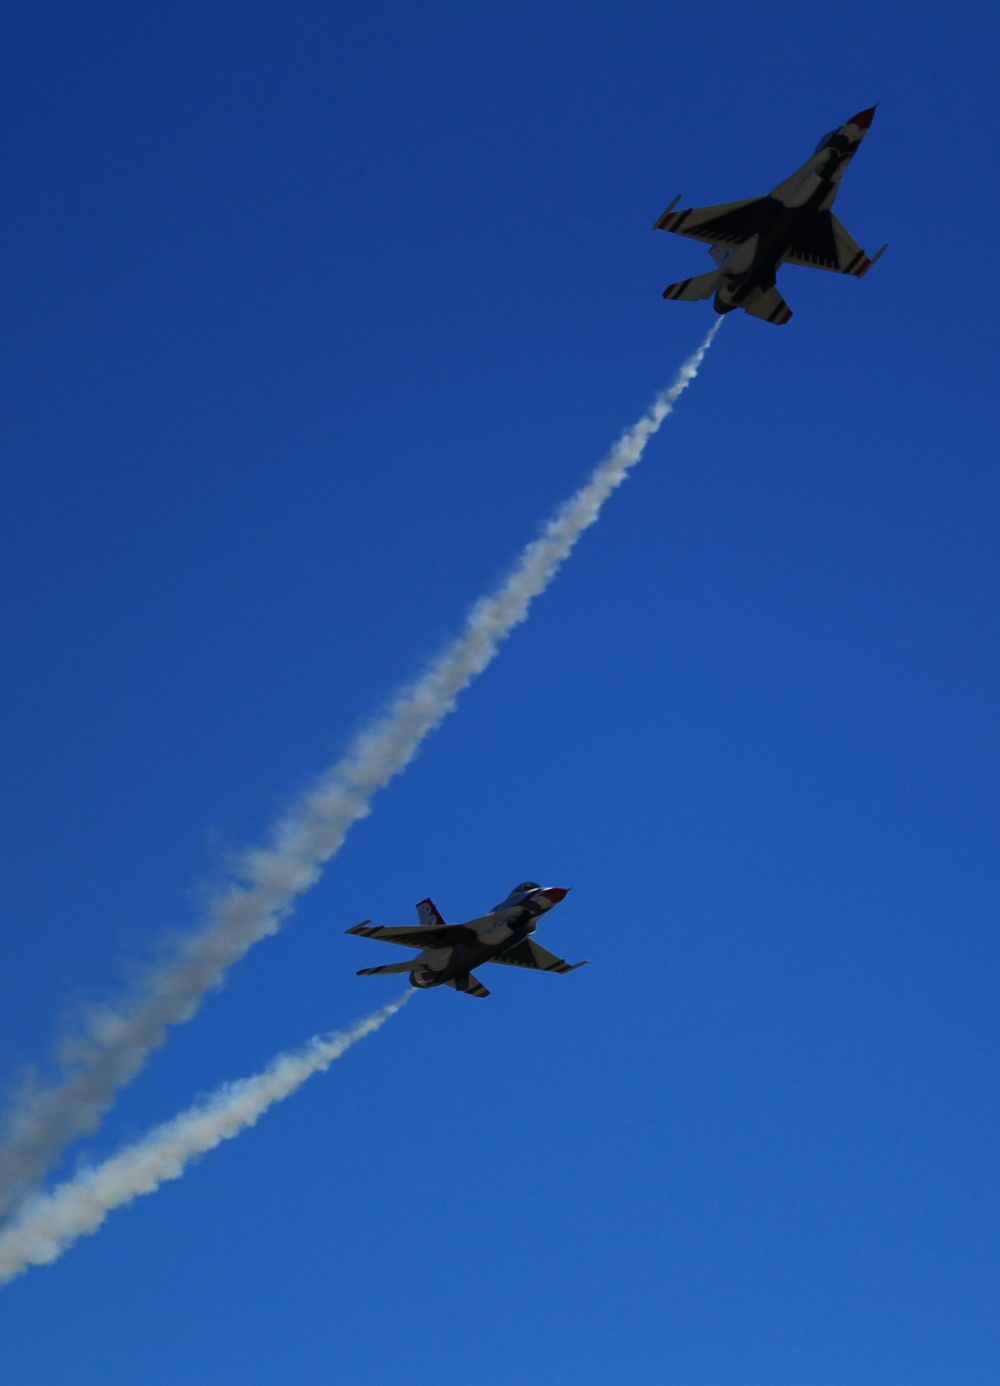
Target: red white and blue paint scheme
x: 793, y: 225
x: 449, y: 952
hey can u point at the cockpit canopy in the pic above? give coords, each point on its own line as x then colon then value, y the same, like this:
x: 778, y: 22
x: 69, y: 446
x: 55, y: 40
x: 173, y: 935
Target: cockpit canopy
x: 526, y: 886
x: 827, y: 139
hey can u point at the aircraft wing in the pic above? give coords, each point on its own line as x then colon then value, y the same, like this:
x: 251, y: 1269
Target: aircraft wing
x: 701, y: 286
x: 730, y: 223
x: 406, y: 966
x: 410, y: 936
x: 527, y: 953
x: 825, y: 244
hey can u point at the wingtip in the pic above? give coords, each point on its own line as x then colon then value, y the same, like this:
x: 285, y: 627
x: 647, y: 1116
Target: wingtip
x: 358, y: 928
x: 867, y: 263
x: 662, y: 222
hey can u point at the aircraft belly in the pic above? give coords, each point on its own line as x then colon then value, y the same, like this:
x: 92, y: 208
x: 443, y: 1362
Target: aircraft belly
x: 793, y: 224
x: 474, y: 953
x: 775, y: 242
x: 467, y: 957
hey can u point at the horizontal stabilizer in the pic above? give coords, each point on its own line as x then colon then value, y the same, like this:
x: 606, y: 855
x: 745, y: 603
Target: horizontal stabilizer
x: 701, y: 286
x: 770, y: 306
x: 469, y: 983
x: 407, y: 966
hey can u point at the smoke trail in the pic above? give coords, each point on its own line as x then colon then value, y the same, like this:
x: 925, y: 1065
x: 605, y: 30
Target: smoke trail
x: 120, y: 1038
x: 48, y: 1224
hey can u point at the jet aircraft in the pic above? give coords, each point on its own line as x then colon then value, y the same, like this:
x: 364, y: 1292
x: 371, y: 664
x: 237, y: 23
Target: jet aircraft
x: 793, y: 225
x: 451, y: 951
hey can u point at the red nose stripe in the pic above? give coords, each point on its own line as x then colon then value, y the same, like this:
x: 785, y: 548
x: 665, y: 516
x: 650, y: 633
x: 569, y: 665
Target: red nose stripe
x: 555, y: 894
x: 863, y: 119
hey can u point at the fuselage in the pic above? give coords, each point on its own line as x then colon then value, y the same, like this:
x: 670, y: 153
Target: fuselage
x: 779, y: 218
x: 466, y: 946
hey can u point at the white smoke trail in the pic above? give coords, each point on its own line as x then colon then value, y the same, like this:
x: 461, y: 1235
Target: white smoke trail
x: 47, y: 1224
x: 120, y: 1038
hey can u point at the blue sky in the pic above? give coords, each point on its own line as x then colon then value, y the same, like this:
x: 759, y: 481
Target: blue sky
x: 311, y: 317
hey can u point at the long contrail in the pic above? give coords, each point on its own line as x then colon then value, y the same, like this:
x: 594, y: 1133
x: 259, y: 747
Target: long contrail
x: 119, y: 1038
x: 47, y: 1224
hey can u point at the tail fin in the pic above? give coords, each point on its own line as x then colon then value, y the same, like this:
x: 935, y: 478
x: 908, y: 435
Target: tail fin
x: 701, y: 286
x: 428, y: 913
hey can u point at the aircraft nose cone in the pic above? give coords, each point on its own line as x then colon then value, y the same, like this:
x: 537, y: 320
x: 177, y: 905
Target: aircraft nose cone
x: 555, y: 893
x: 863, y: 119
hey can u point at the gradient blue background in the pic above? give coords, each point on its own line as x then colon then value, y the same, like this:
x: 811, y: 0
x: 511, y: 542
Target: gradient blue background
x: 312, y: 314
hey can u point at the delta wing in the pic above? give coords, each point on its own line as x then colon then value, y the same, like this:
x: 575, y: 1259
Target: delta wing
x: 729, y: 223
x: 528, y: 953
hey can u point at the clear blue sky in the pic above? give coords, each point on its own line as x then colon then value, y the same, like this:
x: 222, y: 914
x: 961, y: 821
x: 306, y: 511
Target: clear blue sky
x: 311, y: 315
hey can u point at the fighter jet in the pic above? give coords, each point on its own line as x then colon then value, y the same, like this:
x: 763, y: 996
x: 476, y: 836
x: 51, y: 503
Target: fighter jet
x: 451, y: 951
x: 793, y: 225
